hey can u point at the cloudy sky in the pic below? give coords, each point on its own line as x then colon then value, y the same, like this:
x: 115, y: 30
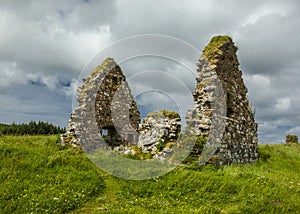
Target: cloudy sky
x: 44, y: 45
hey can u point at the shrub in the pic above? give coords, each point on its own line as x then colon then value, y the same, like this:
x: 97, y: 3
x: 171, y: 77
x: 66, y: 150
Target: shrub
x: 161, y: 145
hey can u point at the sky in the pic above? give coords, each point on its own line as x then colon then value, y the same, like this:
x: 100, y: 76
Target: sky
x: 45, y: 46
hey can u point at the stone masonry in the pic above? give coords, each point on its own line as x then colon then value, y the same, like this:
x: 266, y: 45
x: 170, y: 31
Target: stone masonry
x: 107, y: 115
x: 158, y: 134
x: 105, y: 109
x: 159, y: 129
x: 228, y: 123
x: 291, y: 139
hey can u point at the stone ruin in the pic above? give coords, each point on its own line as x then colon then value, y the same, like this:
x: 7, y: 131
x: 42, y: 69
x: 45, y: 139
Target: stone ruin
x: 291, y: 139
x: 103, y: 111
x: 159, y: 129
x: 221, y: 112
x: 158, y: 133
x: 116, y: 132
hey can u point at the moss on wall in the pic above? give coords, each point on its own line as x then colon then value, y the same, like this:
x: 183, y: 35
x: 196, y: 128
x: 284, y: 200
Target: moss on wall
x: 214, y: 46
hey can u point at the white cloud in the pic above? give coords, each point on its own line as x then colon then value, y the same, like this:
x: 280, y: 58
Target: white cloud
x: 283, y: 104
x: 295, y: 130
x: 48, y: 44
x: 11, y: 75
x: 45, y: 44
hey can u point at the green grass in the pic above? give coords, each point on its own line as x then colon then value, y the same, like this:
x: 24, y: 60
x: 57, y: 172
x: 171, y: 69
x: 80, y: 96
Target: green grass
x: 214, y: 46
x: 270, y: 186
x: 36, y: 167
x: 39, y: 176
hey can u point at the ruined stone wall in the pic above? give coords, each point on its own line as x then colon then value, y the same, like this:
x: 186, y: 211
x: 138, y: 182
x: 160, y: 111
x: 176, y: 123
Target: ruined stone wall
x: 222, y: 112
x: 291, y: 139
x: 157, y: 136
x: 105, y: 109
x: 116, y: 110
x: 158, y: 129
x: 236, y: 142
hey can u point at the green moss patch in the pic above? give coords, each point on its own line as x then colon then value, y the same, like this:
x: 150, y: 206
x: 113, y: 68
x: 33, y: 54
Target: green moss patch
x: 214, y: 46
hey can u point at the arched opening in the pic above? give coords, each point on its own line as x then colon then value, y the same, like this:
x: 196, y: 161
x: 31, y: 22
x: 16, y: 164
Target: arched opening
x: 111, y: 136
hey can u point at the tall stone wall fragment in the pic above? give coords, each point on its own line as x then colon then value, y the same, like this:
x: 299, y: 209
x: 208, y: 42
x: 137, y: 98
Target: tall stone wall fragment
x: 236, y: 141
x: 106, y: 110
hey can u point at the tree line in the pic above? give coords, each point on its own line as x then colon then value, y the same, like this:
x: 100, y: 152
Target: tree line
x: 32, y: 128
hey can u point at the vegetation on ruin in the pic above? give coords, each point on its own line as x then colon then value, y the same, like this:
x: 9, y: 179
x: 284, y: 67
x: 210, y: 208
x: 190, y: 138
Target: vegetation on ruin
x: 39, y: 176
x: 103, y: 66
x: 161, y: 145
x: 214, y: 46
x: 199, y: 143
x: 164, y: 113
x: 139, y: 154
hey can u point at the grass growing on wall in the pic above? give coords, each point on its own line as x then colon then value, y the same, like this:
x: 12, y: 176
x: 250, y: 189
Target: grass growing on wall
x: 214, y: 46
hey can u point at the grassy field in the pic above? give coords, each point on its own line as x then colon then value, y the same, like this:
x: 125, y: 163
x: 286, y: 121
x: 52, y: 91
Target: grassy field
x: 38, y: 176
